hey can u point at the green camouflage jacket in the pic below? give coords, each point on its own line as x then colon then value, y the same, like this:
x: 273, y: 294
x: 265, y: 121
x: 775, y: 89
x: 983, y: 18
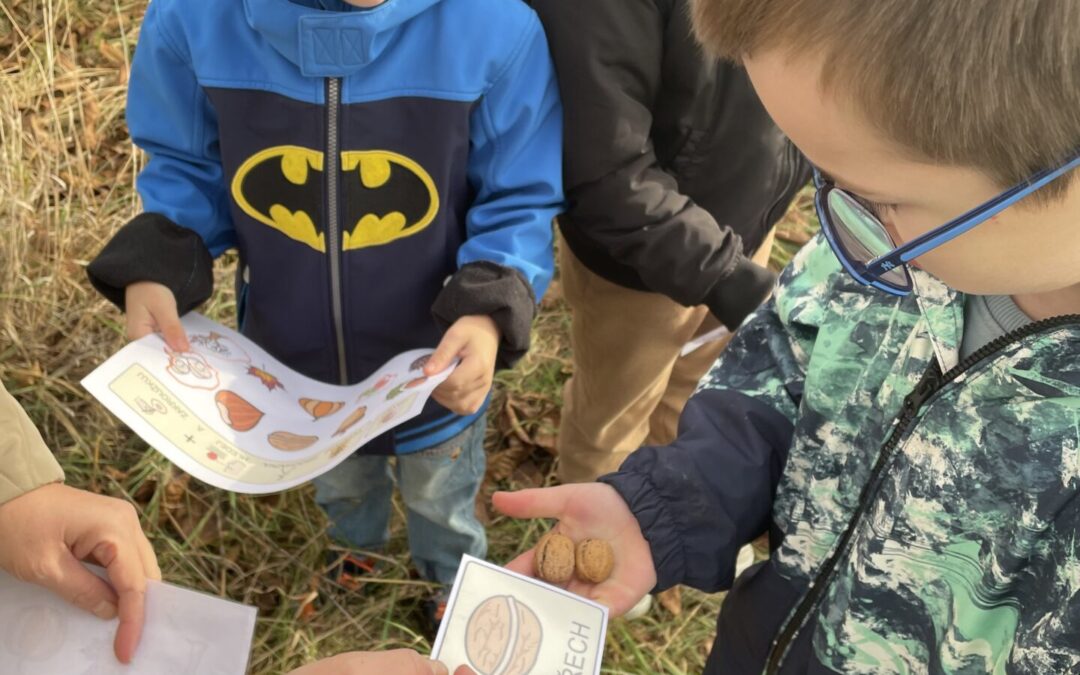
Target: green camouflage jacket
x: 922, y: 511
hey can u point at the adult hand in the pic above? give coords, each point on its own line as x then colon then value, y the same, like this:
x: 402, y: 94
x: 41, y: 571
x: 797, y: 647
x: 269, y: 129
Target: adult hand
x: 45, y: 533
x: 474, y: 340
x: 397, y: 662
x: 150, y: 307
x: 584, y: 511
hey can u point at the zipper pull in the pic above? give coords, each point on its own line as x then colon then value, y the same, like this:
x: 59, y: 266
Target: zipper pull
x: 926, y: 387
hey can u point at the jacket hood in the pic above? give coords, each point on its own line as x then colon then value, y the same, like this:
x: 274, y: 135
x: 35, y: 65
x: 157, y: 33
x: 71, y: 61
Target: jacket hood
x: 328, y: 38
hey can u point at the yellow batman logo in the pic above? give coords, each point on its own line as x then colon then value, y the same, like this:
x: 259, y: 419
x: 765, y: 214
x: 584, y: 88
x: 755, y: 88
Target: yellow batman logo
x: 384, y: 195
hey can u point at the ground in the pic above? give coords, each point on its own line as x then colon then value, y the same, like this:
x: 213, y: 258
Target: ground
x: 67, y: 173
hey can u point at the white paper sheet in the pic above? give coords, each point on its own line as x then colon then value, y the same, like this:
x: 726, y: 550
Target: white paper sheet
x: 715, y: 335
x: 502, y: 623
x: 185, y: 633
x: 231, y: 415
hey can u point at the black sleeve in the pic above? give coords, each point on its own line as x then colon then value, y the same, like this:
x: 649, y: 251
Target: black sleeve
x: 608, y: 55
x: 497, y: 291
x: 153, y: 248
x: 702, y: 498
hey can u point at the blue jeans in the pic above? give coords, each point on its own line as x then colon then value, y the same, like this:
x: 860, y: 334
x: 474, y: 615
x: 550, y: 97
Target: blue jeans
x: 438, y: 486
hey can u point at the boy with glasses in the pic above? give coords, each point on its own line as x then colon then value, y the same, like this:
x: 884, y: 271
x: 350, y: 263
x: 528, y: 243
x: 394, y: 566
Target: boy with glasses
x: 902, y: 418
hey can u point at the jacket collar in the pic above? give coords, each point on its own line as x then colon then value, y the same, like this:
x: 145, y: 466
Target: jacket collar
x: 943, y: 310
x: 329, y: 43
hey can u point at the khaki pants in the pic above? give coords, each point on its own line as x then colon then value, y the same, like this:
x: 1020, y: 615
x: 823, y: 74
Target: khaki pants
x: 629, y: 384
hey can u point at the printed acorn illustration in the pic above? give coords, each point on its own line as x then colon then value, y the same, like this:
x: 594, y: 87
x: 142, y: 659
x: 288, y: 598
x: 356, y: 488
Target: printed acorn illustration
x: 320, y: 409
x: 236, y: 411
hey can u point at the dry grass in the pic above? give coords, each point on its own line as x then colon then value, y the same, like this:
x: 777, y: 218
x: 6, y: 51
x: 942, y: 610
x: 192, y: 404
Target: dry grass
x: 66, y: 183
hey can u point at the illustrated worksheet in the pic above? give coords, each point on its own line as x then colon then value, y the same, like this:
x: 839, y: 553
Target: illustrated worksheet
x: 502, y: 623
x: 231, y: 415
x: 184, y: 633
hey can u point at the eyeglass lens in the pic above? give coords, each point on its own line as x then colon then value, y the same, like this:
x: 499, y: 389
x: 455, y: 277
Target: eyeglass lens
x: 861, y: 234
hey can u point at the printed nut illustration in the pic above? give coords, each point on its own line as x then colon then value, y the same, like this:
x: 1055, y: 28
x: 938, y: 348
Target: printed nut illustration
x: 503, y: 637
x: 236, y: 411
x: 290, y: 442
x: 555, y: 558
x: 319, y: 409
x: 595, y: 560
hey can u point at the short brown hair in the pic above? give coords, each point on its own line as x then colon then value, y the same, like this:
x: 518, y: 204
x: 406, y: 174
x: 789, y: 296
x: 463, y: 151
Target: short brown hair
x: 993, y: 84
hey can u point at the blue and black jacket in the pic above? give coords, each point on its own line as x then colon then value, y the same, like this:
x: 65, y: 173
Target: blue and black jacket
x: 382, y: 172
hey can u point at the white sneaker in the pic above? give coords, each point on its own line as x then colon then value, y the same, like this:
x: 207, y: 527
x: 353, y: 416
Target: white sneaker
x: 640, y: 609
x: 746, y: 559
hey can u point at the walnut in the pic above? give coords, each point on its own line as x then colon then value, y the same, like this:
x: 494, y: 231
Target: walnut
x: 555, y: 558
x: 595, y: 560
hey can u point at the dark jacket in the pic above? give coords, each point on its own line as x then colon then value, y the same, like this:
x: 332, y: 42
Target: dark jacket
x: 372, y: 168
x: 923, y: 510
x: 673, y: 170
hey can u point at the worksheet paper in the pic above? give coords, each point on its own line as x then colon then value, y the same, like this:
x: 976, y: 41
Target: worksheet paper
x: 501, y: 623
x: 231, y: 415
x: 185, y: 633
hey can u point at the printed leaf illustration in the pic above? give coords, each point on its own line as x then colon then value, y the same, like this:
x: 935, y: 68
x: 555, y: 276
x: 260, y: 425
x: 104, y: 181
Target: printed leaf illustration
x: 269, y: 381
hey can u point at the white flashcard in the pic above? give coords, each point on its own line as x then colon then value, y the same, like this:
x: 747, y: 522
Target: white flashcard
x: 233, y: 416
x: 501, y: 623
x: 184, y: 633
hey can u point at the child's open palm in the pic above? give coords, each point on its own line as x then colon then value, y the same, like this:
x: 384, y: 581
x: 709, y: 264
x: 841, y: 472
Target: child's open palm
x: 589, y: 511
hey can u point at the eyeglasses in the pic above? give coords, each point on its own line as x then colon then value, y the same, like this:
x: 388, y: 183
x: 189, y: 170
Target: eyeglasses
x: 868, y: 252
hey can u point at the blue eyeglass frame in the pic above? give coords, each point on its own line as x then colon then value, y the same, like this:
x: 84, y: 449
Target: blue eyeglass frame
x: 870, y: 273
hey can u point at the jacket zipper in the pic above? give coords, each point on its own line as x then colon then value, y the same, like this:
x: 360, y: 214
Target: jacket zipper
x: 333, y: 218
x: 932, y: 381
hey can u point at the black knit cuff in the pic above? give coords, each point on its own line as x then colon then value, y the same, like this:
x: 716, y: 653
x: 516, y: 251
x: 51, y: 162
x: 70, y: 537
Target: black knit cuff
x: 485, y: 288
x: 740, y: 292
x: 153, y: 248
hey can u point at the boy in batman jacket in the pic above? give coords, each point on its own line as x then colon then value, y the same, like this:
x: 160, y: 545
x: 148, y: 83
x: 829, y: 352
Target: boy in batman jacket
x: 388, y: 171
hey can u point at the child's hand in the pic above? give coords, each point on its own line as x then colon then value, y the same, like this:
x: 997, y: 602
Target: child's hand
x: 589, y: 510
x: 151, y: 308
x: 397, y: 662
x: 475, y: 340
x: 46, y: 532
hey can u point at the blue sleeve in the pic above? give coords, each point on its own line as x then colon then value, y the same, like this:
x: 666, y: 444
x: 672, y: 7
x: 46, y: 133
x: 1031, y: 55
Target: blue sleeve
x: 515, y: 166
x: 170, y: 117
x: 702, y: 498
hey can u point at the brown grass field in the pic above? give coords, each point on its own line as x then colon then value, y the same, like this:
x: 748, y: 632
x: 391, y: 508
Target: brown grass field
x: 67, y: 171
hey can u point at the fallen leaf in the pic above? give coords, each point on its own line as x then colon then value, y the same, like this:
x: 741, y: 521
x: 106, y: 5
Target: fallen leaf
x: 671, y: 600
